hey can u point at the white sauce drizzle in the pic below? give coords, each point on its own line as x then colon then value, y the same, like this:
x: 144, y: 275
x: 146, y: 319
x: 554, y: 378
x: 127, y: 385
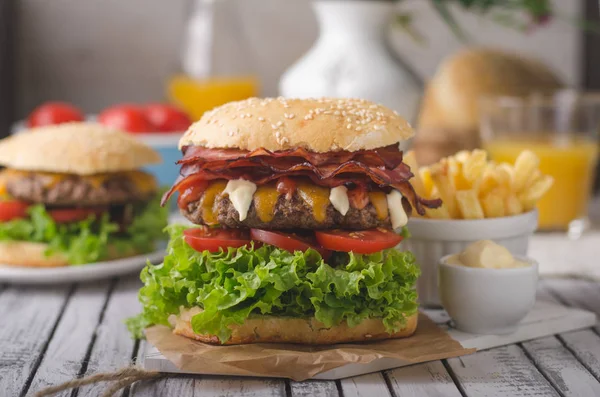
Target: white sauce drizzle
x: 397, y: 214
x: 240, y: 194
x: 339, y: 199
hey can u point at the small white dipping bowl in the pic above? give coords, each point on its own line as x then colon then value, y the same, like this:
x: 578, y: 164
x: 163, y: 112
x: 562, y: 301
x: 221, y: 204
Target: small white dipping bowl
x: 431, y: 239
x: 487, y: 301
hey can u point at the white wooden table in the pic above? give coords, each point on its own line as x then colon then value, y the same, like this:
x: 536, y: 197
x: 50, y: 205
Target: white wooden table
x: 51, y: 335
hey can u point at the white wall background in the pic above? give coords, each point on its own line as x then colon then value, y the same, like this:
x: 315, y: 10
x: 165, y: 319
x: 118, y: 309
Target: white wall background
x: 97, y: 52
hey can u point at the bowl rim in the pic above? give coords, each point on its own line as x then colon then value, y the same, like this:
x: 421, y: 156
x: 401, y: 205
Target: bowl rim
x: 509, y: 218
x: 534, y: 265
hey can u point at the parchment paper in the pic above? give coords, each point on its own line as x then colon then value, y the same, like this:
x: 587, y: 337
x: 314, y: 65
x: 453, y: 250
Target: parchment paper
x: 300, y: 362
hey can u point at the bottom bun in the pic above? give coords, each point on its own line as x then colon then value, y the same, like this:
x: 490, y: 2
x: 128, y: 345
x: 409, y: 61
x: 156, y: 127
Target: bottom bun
x: 308, y: 331
x: 28, y: 254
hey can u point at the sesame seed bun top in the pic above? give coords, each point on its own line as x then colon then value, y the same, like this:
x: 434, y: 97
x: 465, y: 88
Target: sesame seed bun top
x: 75, y: 148
x: 319, y: 125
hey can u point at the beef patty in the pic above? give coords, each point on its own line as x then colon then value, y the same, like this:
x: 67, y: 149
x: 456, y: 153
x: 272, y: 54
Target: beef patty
x: 288, y: 214
x: 82, y: 191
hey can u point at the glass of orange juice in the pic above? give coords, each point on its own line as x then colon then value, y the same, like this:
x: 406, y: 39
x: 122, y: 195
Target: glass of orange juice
x: 563, y: 131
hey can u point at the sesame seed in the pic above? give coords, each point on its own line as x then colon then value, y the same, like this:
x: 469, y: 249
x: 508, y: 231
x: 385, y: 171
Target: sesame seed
x: 277, y: 134
x: 261, y: 118
x: 358, y: 128
x: 337, y: 113
x: 279, y: 123
x: 248, y: 115
x: 349, y: 126
x: 308, y: 117
x: 289, y: 116
x: 284, y: 140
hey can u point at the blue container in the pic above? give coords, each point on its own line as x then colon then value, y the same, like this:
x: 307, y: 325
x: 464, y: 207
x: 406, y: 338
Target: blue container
x: 166, y: 145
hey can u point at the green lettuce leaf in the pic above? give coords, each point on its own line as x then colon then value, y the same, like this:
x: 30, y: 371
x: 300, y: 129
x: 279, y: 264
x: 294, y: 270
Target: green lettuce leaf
x: 89, y: 240
x: 232, y: 285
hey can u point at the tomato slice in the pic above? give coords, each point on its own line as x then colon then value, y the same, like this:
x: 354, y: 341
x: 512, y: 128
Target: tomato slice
x: 360, y: 242
x: 12, y: 209
x: 214, y: 240
x: 288, y: 241
x: 69, y: 215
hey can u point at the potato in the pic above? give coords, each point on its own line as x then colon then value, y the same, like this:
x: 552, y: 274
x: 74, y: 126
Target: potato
x: 468, y: 203
x: 472, y: 187
x: 525, y: 165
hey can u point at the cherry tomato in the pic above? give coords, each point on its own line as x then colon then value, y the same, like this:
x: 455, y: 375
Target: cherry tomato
x: 288, y: 241
x: 12, y: 209
x: 54, y: 113
x: 69, y: 215
x: 129, y: 118
x: 360, y: 242
x: 213, y: 240
x: 166, y: 118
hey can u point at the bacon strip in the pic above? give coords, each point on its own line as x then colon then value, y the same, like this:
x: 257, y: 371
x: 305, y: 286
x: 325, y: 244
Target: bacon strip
x: 382, y: 167
x: 389, y: 156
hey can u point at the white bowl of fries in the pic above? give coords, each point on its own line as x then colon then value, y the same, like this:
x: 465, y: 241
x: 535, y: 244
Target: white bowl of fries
x: 482, y: 200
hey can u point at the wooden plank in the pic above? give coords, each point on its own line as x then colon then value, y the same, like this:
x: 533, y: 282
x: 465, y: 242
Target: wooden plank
x: 428, y: 379
x: 583, y: 344
x: 114, y: 346
x: 217, y: 386
x: 503, y: 371
x: 29, y: 315
x: 178, y: 386
x: 72, y: 338
x: 314, y: 388
x: 577, y: 293
x: 365, y: 386
x: 562, y: 368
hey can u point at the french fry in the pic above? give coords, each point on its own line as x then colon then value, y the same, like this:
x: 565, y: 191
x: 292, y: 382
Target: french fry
x: 474, y: 166
x: 441, y: 180
x: 438, y: 213
x: 473, y: 187
x: 462, y: 156
x: 455, y: 169
x: 488, y: 181
x: 535, y: 191
x: 525, y: 165
x: 410, y: 159
x: 425, y: 175
x: 493, y: 204
x: 504, y: 176
x: 468, y: 203
x: 513, y: 205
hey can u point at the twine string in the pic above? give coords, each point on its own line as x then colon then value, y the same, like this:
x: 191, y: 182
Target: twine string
x: 122, y: 378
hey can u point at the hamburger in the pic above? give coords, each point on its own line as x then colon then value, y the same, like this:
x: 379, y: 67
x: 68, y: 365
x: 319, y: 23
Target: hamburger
x: 73, y: 194
x: 299, y: 205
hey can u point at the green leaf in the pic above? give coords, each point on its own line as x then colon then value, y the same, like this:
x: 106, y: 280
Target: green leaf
x: 89, y: 240
x: 232, y: 285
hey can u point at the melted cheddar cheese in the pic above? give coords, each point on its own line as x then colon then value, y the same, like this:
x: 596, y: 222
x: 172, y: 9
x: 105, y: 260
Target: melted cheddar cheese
x: 265, y: 200
x: 317, y: 198
x: 379, y: 201
x: 209, y: 200
x: 143, y: 181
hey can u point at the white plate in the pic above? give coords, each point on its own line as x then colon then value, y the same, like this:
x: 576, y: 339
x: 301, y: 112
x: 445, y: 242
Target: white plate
x: 69, y: 274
